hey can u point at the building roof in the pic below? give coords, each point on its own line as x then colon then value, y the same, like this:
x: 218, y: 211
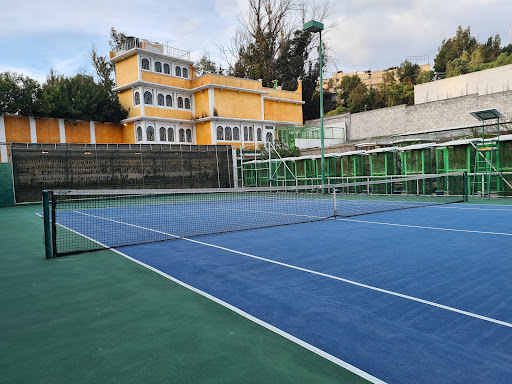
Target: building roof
x: 381, y: 150
x: 457, y: 142
x: 416, y: 146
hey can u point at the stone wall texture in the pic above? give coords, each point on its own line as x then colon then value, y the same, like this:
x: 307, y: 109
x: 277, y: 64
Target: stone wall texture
x: 426, y: 117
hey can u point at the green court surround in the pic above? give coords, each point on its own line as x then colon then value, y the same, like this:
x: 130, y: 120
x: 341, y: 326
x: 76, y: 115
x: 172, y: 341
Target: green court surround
x: 6, y: 185
x: 99, y: 317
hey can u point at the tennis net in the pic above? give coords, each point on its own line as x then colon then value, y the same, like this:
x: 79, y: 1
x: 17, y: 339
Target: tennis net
x: 88, y: 220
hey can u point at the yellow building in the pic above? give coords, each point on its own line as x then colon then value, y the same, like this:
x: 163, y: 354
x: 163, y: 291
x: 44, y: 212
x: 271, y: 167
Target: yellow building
x: 167, y: 103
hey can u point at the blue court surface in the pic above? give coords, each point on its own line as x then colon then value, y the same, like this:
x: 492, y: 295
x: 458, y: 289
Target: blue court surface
x: 421, y: 295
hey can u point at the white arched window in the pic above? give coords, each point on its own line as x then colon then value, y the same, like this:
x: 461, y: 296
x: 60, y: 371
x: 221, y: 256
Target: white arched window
x: 145, y: 64
x: 180, y: 102
x: 185, y: 72
x: 148, y: 97
x: 168, y: 101
x: 158, y: 66
x: 258, y: 134
x: 139, y: 133
x: 170, y: 134
x: 182, y: 135
x: 236, y: 133
x: 167, y: 69
x: 269, y: 137
x: 246, y: 133
x: 177, y: 70
x: 160, y: 99
x: 220, y: 133
x: 136, y: 98
x: 227, y: 135
x: 163, y: 135
x: 150, y: 134
x: 189, y: 135
x: 251, y: 134
x: 187, y: 103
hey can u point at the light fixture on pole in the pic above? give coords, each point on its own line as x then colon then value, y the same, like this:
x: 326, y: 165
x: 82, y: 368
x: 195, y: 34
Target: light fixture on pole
x: 314, y: 27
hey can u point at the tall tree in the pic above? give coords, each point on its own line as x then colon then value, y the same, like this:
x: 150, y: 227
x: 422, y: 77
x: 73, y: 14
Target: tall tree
x: 408, y: 72
x: 21, y: 95
x: 454, y: 47
x: 347, y: 85
x: 102, y: 65
x: 206, y: 65
x: 270, y: 44
x: 81, y: 98
x: 491, y: 49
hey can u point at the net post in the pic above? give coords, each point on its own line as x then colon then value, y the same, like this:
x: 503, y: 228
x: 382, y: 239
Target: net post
x: 47, y: 231
x: 334, y: 200
x: 465, y: 178
x: 54, y: 226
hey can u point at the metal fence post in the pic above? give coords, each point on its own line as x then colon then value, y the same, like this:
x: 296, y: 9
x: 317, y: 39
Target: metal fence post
x: 47, y: 231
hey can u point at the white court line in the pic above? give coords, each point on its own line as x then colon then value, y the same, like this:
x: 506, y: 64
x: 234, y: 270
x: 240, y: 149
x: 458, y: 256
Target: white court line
x: 412, y: 298
x: 423, y: 227
x: 237, y: 310
x: 476, y: 209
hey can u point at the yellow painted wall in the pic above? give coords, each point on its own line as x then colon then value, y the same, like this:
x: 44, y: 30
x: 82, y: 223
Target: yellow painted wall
x: 168, y: 113
x: 127, y: 71
x: 202, y: 104
x: 126, y: 100
x: 107, y: 133
x: 128, y: 133
x: 283, y: 94
x: 166, y: 80
x: 17, y: 129
x: 47, y: 130
x: 238, y: 104
x: 204, y: 133
x: 199, y: 81
x: 77, y: 132
x: 227, y: 81
x: 282, y: 111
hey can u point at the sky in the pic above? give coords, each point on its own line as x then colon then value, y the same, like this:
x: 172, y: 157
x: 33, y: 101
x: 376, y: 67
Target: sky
x: 58, y: 34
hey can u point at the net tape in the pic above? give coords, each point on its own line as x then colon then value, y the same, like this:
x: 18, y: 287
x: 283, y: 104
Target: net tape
x: 319, y: 188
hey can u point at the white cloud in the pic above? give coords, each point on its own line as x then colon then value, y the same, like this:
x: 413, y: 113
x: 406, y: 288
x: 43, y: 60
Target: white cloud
x: 230, y: 9
x: 40, y: 76
x: 378, y: 34
x: 369, y: 34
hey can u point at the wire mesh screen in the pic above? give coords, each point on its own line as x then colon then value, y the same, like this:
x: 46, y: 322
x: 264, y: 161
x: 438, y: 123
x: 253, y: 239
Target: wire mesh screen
x: 459, y: 157
x: 413, y: 163
x: 506, y: 155
x: 50, y: 166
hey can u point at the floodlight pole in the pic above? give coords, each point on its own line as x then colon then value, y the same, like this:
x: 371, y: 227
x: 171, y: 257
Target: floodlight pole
x: 314, y: 27
x: 322, y: 114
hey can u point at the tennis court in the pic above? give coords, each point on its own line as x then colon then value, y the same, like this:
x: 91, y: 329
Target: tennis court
x: 415, y: 295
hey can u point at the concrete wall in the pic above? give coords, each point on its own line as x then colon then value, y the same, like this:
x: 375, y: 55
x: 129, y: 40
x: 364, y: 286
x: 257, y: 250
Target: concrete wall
x: 435, y: 116
x: 479, y: 83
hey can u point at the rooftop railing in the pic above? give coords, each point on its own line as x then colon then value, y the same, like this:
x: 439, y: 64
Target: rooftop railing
x: 133, y: 42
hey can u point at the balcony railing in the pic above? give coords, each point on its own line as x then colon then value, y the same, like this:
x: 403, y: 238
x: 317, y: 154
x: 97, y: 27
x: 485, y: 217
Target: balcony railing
x: 133, y: 42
